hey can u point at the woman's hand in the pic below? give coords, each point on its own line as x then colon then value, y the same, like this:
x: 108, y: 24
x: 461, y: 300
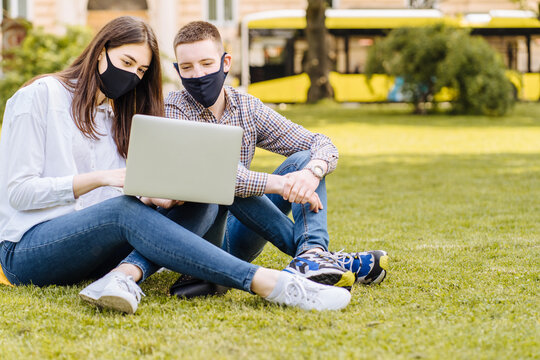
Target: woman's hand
x: 114, y: 177
x: 84, y: 183
x: 164, y: 203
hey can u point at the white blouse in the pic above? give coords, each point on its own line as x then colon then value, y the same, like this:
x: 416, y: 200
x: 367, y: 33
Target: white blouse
x: 41, y: 150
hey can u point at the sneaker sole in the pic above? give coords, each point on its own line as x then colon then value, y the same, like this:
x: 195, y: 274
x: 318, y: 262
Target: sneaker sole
x: 111, y: 302
x: 383, y: 263
x: 379, y: 278
x: 345, y: 280
x: 344, y: 298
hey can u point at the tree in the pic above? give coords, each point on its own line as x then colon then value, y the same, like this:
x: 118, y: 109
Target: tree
x: 413, y: 54
x: 39, y: 53
x: 477, y: 75
x: 430, y: 58
x: 317, y: 65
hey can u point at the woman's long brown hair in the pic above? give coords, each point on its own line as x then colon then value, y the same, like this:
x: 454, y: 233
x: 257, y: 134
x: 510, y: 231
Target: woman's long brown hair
x: 82, y: 79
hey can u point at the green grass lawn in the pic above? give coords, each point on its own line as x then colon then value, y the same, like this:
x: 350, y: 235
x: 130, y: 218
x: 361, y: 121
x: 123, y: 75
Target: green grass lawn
x: 454, y: 200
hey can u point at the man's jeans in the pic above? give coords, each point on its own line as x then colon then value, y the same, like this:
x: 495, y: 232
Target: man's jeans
x: 251, y: 222
x: 90, y: 242
x: 255, y: 220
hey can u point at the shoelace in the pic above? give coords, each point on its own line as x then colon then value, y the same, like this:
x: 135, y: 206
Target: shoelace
x: 130, y: 285
x: 344, y: 259
x: 336, y: 258
x: 297, y: 291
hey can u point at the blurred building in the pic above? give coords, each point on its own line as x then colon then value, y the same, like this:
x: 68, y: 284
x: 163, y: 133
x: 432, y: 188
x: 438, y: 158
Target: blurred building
x: 167, y: 16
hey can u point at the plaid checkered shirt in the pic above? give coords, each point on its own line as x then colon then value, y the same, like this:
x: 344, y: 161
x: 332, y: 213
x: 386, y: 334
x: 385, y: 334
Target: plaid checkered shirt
x: 263, y: 127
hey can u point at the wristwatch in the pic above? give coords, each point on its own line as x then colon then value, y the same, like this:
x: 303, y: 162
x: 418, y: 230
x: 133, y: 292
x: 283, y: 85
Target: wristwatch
x: 316, y: 170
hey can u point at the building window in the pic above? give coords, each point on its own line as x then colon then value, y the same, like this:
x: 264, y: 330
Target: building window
x: 422, y: 4
x: 16, y: 8
x: 221, y: 12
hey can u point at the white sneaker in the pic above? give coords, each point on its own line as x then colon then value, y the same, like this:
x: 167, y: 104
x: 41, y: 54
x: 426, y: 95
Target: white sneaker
x: 294, y: 290
x: 115, y: 291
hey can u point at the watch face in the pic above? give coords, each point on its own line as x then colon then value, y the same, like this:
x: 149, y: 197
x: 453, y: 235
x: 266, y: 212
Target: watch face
x: 318, y: 171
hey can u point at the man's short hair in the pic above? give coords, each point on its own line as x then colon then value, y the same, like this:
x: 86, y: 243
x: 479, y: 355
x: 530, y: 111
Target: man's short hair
x: 198, y: 31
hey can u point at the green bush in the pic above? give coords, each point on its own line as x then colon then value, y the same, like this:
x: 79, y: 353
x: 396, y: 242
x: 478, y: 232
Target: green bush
x: 39, y: 53
x: 430, y: 58
x: 477, y: 73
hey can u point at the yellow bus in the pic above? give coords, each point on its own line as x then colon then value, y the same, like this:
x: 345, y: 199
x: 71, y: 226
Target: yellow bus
x: 274, y: 46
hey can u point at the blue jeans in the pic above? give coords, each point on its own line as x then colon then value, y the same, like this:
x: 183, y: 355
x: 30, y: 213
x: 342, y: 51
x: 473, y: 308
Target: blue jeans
x: 255, y: 220
x: 79, y: 245
x: 197, y: 218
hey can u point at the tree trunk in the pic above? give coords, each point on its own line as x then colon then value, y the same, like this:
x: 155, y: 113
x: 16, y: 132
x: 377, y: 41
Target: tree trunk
x: 317, y: 65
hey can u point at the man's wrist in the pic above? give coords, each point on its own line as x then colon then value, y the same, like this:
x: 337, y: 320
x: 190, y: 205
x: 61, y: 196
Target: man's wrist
x: 316, y: 169
x: 274, y: 184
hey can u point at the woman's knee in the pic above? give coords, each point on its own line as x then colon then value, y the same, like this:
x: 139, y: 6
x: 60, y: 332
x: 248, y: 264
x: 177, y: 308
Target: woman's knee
x: 124, y: 202
x: 117, y: 209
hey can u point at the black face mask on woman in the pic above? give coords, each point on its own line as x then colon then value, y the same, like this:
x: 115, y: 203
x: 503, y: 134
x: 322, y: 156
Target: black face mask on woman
x: 205, y: 89
x: 117, y: 82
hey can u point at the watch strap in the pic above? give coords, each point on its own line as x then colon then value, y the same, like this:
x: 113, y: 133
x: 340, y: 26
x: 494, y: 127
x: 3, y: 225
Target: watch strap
x: 318, y: 174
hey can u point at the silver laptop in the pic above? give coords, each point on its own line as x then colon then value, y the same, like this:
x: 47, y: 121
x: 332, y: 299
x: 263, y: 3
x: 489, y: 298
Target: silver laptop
x: 182, y: 160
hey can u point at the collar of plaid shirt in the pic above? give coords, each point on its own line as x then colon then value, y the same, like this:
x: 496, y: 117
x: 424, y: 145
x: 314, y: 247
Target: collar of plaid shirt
x: 190, y: 104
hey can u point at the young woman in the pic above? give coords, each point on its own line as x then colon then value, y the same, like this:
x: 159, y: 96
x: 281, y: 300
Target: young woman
x: 62, y: 157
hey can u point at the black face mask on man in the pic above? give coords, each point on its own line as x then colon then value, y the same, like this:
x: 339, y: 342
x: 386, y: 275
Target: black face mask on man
x: 205, y: 89
x: 117, y: 82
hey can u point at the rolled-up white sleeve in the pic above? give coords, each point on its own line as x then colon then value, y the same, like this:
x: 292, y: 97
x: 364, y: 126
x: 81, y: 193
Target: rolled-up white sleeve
x: 28, y: 187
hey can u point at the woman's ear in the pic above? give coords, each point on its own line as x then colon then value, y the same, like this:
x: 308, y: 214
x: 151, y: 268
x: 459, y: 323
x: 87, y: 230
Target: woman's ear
x: 102, y: 63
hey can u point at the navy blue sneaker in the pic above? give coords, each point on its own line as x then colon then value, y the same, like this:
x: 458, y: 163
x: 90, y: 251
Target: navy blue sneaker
x: 369, y: 267
x: 321, y: 268
x: 189, y: 287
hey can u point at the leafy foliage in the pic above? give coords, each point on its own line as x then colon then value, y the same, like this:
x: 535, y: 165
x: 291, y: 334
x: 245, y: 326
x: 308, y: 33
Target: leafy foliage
x: 431, y: 58
x: 39, y: 53
x: 478, y: 74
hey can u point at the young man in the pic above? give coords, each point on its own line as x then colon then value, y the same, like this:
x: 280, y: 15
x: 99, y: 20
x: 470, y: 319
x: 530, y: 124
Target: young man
x: 262, y: 202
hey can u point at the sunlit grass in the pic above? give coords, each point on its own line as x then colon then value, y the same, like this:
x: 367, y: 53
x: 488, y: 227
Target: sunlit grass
x: 454, y: 200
